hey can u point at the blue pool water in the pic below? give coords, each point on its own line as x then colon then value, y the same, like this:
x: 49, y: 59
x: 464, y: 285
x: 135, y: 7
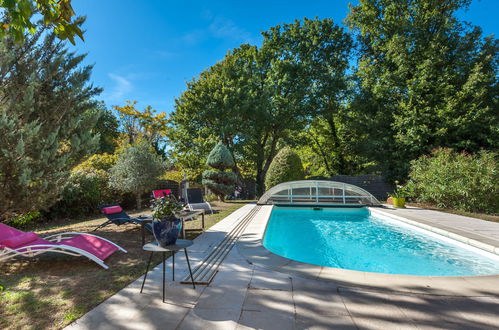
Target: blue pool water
x: 354, y: 239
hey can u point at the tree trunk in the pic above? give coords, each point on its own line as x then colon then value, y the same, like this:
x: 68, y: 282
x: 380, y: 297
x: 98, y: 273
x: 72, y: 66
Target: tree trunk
x: 139, y: 201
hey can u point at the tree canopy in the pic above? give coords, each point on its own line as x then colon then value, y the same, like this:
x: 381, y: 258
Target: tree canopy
x: 47, y: 113
x: 255, y: 99
x: 57, y: 15
x: 425, y: 80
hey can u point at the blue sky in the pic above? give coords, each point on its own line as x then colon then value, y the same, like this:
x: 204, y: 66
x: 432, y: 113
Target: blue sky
x: 146, y: 50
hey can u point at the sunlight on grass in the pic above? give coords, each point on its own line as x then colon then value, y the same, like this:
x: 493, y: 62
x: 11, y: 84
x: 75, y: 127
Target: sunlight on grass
x: 69, y: 287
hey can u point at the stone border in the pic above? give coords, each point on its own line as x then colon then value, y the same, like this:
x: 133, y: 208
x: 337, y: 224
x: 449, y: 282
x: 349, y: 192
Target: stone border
x: 250, y: 246
x: 469, y: 241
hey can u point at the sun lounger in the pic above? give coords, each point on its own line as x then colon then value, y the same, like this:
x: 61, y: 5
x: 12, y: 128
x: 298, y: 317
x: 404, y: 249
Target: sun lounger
x: 195, y: 200
x: 161, y: 193
x: 14, y: 242
x: 115, y: 214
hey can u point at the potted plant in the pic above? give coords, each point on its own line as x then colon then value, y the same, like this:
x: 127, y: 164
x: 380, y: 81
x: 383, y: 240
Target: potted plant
x: 399, y: 195
x: 166, y: 226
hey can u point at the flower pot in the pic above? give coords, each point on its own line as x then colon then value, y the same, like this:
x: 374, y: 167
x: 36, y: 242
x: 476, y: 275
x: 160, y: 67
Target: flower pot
x: 398, y: 202
x: 166, y: 231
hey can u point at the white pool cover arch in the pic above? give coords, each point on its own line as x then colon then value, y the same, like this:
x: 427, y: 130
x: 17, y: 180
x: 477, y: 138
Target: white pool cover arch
x: 317, y: 192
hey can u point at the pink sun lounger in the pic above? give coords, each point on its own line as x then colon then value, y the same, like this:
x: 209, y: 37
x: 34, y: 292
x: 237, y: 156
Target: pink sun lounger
x: 14, y: 242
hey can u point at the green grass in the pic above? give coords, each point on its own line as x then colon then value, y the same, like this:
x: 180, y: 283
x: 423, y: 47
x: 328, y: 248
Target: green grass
x: 52, y: 291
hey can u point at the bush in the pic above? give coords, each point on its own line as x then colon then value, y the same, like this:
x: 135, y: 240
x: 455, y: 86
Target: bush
x: 461, y: 181
x: 286, y: 166
x: 23, y: 220
x: 87, y: 188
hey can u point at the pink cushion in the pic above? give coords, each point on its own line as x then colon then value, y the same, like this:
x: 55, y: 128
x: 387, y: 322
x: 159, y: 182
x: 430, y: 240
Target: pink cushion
x: 94, y: 245
x: 161, y: 193
x: 112, y: 209
x: 8, y: 232
x: 19, y: 240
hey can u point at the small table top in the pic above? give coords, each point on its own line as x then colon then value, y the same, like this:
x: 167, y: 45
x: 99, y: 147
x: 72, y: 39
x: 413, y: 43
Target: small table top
x: 179, y: 245
x: 184, y: 215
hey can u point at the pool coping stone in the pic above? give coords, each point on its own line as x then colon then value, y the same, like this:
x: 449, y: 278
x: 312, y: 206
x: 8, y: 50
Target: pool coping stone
x: 251, y: 248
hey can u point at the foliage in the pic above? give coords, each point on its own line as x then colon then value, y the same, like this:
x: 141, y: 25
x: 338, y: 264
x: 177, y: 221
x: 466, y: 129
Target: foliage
x: 220, y: 158
x: 165, y: 207
x: 57, y: 15
x: 95, y: 162
x: 256, y: 98
x: 173, y: 175
x: 87, y: 188
x: 137, y: 169
x: 47, y: 114
x: 22, y: 220
x: 425, y: 80
x: 107, y: 128
x: 83, y: 193
x: 144, y: 124
x: 286, y: 166
x: 220, y: 182
x: 401, y: 191
x: 461, y: 181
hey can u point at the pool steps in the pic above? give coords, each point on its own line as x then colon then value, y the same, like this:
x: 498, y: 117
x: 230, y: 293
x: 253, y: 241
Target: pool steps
x: 206, y: 270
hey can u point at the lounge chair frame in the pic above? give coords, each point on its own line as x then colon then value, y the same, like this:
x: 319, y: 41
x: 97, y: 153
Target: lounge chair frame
x: 31, y: 251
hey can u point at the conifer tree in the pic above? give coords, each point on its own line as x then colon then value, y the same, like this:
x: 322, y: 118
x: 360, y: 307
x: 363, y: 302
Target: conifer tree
x: 220, y: 182
x: 47, y: 114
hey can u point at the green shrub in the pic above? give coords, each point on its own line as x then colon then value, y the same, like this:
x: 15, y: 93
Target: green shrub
x: 87, y: 188
x: 220, y: 182
x: 22, y: 220
x: 286, y: 166
x: 461, y: 181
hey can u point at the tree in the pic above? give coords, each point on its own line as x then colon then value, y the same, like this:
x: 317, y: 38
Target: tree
x: 57, y: 15
x: 256, y: 98
x: 136, y: 170
x: 47, y: 114
x: 425, y: 80
x: 220, y: 182
x: 144, y: 124
x: 285, y: 167
x: 107, y: 128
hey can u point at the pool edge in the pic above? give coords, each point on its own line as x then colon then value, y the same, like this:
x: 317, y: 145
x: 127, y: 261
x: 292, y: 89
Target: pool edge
x: 250, y: 246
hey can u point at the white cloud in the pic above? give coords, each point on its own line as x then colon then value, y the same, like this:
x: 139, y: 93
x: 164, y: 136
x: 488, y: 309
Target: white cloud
x: 122, y: 87
x: 218, y: 27
x: 224, y: 28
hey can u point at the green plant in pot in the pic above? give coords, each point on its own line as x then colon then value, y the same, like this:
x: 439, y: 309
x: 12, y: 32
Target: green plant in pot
x: 399, y: 195
x: 166, y: 226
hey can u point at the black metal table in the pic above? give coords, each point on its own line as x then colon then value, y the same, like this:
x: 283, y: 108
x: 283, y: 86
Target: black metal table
x: 154, y: 247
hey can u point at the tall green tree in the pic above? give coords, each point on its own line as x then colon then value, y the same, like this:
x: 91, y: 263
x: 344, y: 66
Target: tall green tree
x: 47, y: 114
x: 107, y: 128
x: 426, y: 80
x: 256, y: 98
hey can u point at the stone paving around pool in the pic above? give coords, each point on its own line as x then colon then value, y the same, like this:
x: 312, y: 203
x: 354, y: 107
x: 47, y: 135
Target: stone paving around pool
x: 246, y: 295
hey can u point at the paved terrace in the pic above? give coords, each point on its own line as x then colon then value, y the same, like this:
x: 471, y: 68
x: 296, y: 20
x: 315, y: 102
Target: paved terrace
x: 247, y: 295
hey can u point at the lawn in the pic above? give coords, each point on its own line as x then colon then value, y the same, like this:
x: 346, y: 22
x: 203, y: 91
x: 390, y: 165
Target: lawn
x: 52, y: 291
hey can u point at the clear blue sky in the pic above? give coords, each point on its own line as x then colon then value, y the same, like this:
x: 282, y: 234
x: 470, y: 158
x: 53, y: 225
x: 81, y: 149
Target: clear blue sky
x: 146, y: 50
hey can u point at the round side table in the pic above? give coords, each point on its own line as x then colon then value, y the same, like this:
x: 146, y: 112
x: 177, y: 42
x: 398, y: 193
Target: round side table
x: 154, y: 247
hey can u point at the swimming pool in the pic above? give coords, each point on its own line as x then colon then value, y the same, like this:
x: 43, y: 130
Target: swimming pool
x: 351, y: 238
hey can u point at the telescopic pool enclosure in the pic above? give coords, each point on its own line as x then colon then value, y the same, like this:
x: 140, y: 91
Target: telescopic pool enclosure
x: 317, y: 192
